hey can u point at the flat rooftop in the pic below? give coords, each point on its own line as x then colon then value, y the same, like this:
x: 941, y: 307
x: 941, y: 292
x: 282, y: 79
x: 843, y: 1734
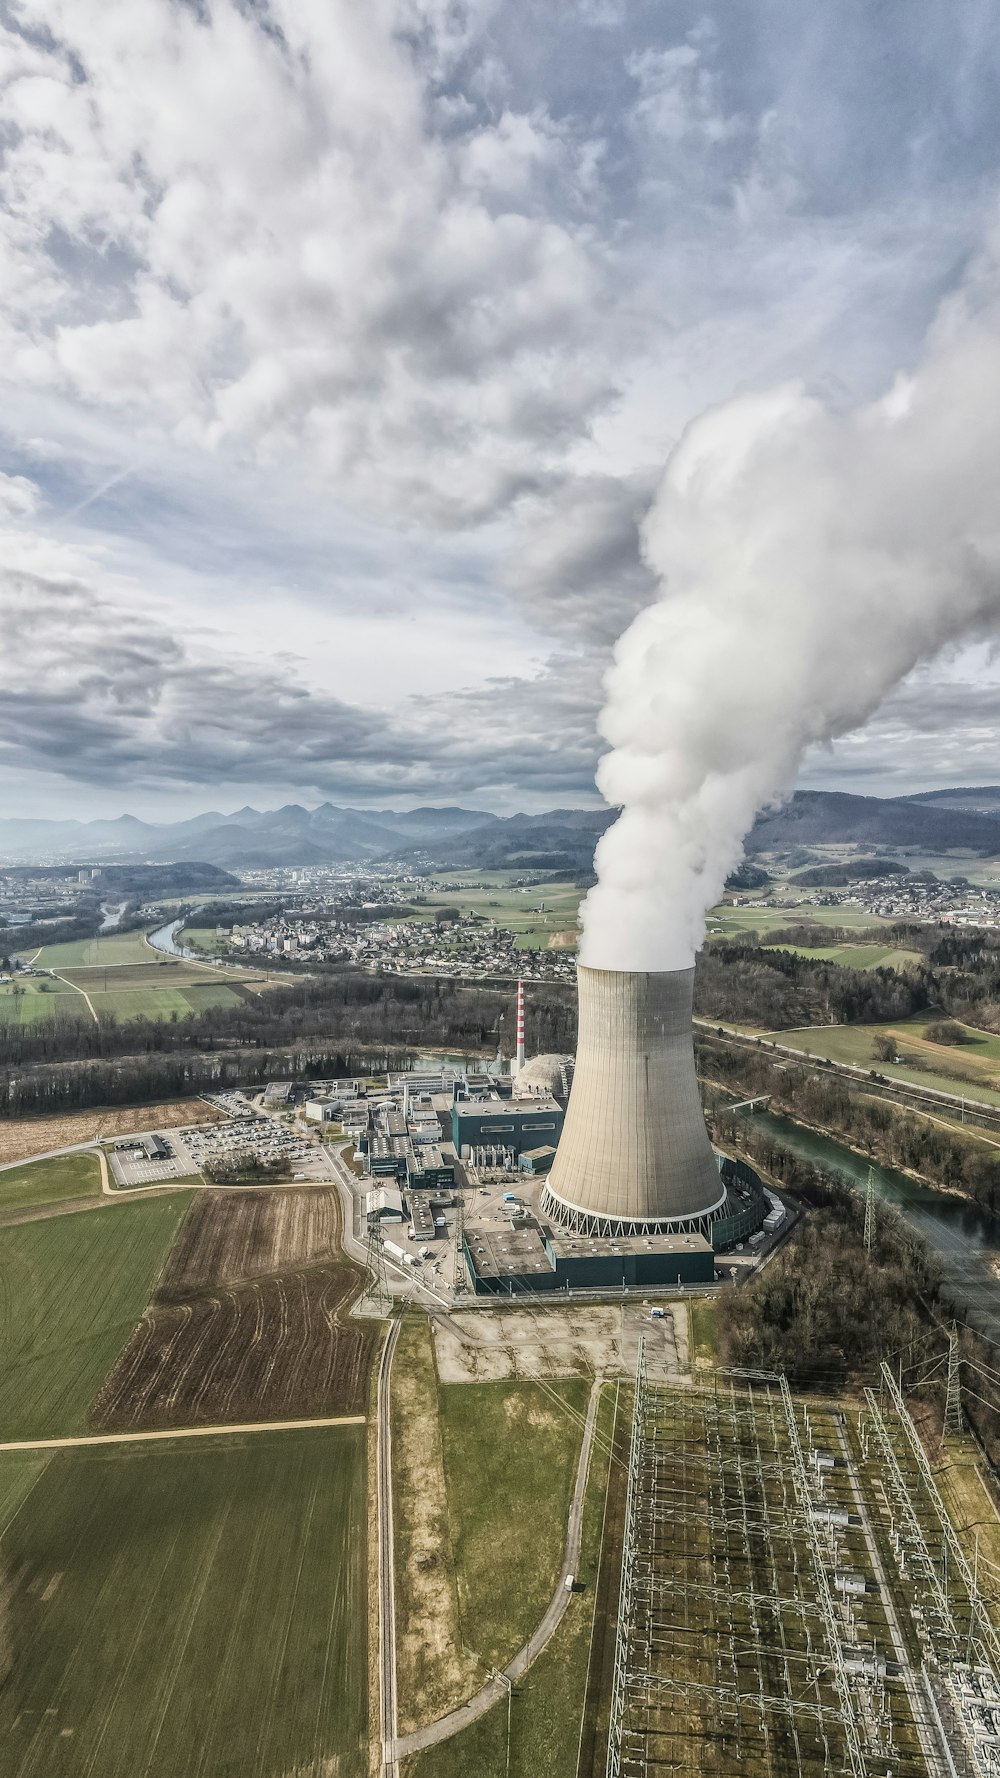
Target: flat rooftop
x: 507, y: 1253
x: 576, y: 1246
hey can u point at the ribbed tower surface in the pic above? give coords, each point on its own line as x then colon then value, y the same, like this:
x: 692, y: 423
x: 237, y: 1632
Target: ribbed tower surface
x: 634, y: 1148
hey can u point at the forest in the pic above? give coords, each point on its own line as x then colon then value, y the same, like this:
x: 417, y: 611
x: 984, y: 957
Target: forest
x: 344, y: 1023
x: 825, y: 1310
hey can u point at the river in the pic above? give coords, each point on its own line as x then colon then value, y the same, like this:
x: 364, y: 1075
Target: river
x: 166, y: 940
x: 962, y: 1236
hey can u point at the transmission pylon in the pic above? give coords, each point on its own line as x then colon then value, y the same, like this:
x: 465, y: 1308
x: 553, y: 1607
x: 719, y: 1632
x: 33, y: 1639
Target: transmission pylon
x: 870, y: 1210
x: 378, y: 1281
x: 953, y: 1425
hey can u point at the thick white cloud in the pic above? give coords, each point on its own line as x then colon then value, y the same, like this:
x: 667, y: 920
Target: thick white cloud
x: 457, y: 269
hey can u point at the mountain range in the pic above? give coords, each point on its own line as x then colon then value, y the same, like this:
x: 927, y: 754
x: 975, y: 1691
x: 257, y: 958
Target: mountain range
x: 934, y: 821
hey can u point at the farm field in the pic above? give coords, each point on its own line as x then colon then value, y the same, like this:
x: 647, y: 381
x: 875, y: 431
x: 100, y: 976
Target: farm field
x: 32, y: 1001
x: 728, y: 922
x: 274, y: 1348
x: 117, y: 947
x: 225, y: 1238
x: 50, y: 1182
x: 123, y: 977
x: 20, y: 1138
x: 856, y: 956
x: 197, y: 1608
x: 517, y: 910
x: 548, y: 1704
x: 71, y: 1290
x: 972, y: 1067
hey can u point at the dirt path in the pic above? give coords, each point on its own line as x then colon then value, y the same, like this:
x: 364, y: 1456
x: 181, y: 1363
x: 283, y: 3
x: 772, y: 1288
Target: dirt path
x: 76, y: 990
x: 496, y: 1688
x: 133, y: 1438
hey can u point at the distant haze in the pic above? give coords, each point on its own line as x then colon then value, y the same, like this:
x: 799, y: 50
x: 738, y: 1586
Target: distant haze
x: 807, y: 560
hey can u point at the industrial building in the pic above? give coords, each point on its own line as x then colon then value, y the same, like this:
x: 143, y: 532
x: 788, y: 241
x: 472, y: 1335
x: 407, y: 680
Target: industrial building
x: 487, y: 1121
x: 530, y: 1257
x: 629, y: 1189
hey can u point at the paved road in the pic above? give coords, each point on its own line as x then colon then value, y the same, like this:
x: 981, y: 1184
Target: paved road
x: 386, y: 1569
x: 495, y: 1689
x: 135, y: 1438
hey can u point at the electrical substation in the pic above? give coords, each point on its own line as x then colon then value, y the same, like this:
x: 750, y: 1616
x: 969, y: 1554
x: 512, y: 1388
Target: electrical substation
x: 794, y: 1598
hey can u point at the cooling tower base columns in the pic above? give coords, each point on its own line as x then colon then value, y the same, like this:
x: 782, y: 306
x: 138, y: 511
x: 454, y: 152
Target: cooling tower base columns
x: 601, y: 1227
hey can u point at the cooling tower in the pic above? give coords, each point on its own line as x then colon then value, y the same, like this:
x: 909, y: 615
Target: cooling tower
x: 634, y: 1155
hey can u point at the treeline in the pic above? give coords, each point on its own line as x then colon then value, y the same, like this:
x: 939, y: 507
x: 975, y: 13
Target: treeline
x: 779, y: 989
x: 825, y: 1310
x: 885, y: 1132
x: 330, y: 1025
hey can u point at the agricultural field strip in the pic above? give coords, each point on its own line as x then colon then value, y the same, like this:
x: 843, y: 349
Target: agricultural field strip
x: 733, y: 1658
x: 222, y: 1587
x: 249, y: 1316
x: 227, y: 1431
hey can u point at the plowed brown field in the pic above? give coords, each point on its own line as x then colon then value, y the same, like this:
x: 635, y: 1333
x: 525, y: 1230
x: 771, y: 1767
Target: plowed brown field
x: 229, y: 1235
x: 249, y: 1320
x: 272, y: 1348
x: 20, y: 1138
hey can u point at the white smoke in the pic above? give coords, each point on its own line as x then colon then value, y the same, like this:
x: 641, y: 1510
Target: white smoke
x: 808, y: 560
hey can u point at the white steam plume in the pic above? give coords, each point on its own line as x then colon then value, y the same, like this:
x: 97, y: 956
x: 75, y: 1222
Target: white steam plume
x: 808, y: 560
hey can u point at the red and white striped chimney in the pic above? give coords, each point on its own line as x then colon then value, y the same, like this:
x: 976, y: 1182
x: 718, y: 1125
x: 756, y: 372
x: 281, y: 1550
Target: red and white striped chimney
x: 519, y: 1063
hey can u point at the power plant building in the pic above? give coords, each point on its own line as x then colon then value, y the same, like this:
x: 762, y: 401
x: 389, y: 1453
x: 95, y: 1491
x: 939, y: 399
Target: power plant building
x: 516, y: 1124
x: 635, y: 1194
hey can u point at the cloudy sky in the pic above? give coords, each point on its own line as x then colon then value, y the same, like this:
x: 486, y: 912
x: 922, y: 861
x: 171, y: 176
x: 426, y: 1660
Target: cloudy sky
x: 343, y: 349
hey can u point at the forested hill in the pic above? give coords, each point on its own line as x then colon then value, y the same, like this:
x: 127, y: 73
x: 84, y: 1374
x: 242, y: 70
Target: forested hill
x: 827, y: 817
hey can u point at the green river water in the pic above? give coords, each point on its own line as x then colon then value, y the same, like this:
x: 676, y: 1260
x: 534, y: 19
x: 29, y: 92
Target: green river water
x: 963, y: 1237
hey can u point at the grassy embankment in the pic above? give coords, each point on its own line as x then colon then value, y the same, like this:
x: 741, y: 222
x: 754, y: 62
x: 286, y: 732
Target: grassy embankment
x: 73, y: 1289
x: 53, y: 1181
x: 547, y: 1707
x: 195, y: 1607
x: 483, y: 1479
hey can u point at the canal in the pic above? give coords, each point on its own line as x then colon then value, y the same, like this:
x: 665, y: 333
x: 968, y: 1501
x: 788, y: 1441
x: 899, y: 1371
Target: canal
x: 964, y: 1238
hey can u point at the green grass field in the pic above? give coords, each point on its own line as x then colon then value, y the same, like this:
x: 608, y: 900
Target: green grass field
x: 71, y: 1290
x: 856, y: 956
x: 49, y: 1182
x: 510, y: 1455
x: 727, y: 922
x: 547, y: 1706
x: 33, y: 1003
x: 972, y: 1068
x: 519, y: 911
x: 189, y: 1610
x: 118, y: 947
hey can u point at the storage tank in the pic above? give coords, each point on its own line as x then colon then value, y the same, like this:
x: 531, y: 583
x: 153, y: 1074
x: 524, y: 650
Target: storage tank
x: 634, y: 1155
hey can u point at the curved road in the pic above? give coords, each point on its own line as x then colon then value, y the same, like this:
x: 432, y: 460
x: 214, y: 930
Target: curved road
x: 495, y: 1689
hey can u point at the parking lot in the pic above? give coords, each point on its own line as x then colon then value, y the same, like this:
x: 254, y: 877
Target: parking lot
x: 131, y: 1166
x: 259, y: 1136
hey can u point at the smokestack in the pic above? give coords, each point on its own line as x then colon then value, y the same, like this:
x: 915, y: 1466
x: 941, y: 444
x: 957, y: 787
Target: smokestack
x: 519, y: 1060
x: 634, y: 1155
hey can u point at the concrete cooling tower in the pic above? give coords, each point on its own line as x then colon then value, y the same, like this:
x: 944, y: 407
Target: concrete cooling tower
x: 634, y: 1156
